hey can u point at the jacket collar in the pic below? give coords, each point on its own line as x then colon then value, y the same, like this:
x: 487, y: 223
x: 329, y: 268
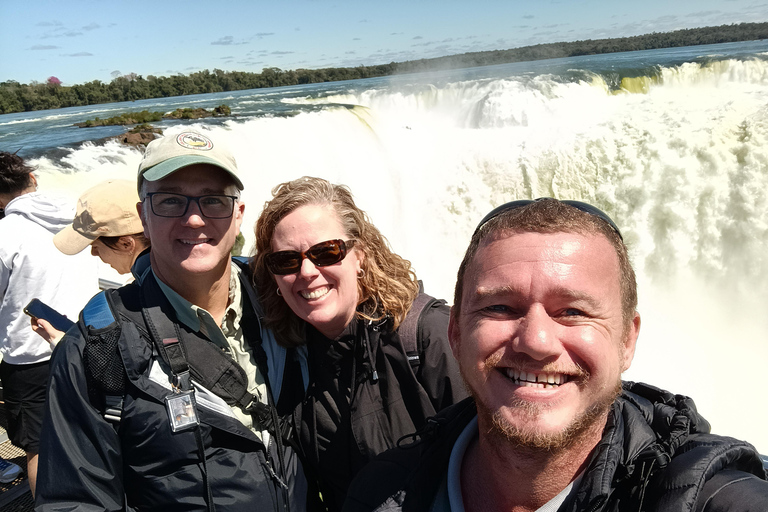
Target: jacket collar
x: 645, y: 425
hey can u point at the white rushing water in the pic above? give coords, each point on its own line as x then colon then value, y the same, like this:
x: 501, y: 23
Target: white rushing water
x: 681, y: 167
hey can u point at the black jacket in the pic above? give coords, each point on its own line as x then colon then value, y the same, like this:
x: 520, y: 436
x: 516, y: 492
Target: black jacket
x: 655, y: 455
x: 379, y: 396
x: 86, y: 465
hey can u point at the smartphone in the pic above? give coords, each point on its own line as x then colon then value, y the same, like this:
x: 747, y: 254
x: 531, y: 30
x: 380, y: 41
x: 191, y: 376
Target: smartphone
x: 38, y: 309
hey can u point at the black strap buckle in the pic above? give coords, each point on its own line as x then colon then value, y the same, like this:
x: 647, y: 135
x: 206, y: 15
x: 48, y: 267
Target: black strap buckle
x: 182, y: 381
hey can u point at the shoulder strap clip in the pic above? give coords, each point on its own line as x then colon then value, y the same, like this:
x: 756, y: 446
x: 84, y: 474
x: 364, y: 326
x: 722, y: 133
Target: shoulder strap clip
x: 410, y: 328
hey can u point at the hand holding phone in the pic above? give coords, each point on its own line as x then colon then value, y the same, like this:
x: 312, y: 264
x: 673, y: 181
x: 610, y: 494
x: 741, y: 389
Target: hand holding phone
x: 45, y: 330
x: 38, y: 309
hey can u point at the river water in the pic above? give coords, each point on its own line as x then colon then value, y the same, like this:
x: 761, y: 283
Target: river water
x: 672, y: 143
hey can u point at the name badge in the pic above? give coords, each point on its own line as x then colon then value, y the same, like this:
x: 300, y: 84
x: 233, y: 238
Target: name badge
x: 181, y: 410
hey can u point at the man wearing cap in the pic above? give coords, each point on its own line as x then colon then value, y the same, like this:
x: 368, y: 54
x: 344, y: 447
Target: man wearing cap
x: 543, y: 325
x: 30, y: 267
x: 163, y: 398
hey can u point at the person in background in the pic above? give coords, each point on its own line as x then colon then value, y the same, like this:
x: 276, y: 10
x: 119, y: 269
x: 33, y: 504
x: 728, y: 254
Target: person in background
x: 544, y: 322
x: 31, y: 267
x: 8, y: 470
x: 332, y: 287
x: 108, y: 222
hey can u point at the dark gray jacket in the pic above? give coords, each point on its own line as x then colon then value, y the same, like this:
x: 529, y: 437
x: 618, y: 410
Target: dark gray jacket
x: 385, y: 397
x: 85, y: 464
x: 655, y: 455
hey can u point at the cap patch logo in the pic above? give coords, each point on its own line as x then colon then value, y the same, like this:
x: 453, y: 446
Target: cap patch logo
x: 191, y: 140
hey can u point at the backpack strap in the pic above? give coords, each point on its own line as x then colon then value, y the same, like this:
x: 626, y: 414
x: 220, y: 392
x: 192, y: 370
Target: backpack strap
x: 281, y: 358
x: 410, y: 328
x: 190, y: 355
x: 145, y: 307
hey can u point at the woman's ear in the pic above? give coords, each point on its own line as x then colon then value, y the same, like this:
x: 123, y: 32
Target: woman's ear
x: 126, y: 243
x: 360, y: 253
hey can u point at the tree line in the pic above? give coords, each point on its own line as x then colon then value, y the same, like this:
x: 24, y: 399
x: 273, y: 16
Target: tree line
x: 656, y: 40
x: 16, y: 97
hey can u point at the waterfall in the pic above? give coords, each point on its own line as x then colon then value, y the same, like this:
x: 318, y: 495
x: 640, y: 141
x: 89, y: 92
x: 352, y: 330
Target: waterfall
x: 678, y: 156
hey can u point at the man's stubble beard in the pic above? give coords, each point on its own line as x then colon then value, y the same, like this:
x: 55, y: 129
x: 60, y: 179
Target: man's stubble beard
x: 581, y: 427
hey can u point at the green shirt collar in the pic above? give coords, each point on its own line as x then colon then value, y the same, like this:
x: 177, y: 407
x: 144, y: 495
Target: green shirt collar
x: 200, y: 320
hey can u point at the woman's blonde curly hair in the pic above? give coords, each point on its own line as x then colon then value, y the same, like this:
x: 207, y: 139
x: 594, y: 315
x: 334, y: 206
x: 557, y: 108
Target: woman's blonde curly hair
x: 387, y: 286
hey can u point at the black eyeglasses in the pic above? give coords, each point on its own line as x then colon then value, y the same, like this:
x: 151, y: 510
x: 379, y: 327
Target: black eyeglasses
x: 166, y: 204
x: 584, y: 207
x: 326, y: 253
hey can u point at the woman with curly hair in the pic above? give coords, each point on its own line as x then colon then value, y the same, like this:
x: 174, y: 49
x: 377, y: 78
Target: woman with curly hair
x: 333, y: 290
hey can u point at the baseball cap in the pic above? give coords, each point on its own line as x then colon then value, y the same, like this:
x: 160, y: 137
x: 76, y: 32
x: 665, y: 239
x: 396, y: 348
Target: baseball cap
x: 108, y: 209
x: 168, y: 154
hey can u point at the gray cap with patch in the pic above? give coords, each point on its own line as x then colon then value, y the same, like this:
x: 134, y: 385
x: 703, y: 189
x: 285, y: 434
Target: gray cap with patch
x: 167, y: 155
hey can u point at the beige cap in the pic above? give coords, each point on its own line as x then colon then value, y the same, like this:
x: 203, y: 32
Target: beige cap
x: 108, y: 209
x: 167, y: 155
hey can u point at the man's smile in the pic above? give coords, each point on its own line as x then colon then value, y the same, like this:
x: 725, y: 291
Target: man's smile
x: 195, y: 241
x: 536, y: 380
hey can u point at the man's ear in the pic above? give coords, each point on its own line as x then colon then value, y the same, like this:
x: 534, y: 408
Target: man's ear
x: 630, y: 343
x: 239, y: 213
x: 454, y: 334
x: 140, y: 210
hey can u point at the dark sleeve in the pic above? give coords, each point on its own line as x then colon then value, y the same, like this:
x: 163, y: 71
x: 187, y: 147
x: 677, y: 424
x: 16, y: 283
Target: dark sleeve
x: 379, y: 486
x: 733, y: 491
x: 438, y: 372
x: 80, y: 463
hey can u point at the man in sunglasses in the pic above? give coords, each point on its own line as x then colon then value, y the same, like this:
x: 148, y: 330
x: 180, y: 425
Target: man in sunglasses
x: 161, y: 399
x: 543, y: 325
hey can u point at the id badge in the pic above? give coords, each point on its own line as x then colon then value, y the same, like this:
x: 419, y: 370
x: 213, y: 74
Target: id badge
x: 181, y: 410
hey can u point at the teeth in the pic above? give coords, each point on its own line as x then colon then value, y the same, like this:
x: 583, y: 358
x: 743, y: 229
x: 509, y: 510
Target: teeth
x: 533, y: 380
x: 194, y: 242
x: 314, y: 294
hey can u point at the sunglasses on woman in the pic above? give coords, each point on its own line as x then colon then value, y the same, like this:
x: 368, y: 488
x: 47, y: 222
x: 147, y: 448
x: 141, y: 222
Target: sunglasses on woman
x: 326, y: 253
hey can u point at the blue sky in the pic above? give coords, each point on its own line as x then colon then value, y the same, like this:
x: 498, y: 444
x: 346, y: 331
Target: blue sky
x: 79, y: 41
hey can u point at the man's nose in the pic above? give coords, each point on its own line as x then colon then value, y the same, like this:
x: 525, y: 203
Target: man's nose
x: 537, y: 334
x: 194, y: 216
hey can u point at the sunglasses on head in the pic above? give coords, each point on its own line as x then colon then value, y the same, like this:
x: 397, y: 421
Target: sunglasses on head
x: 321, y: 255
x: 584, y: 207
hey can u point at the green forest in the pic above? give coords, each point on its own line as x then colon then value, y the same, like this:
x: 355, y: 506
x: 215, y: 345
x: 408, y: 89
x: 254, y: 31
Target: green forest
x: 16, y: 97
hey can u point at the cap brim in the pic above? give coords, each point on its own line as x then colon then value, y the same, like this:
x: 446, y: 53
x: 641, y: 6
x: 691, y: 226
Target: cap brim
x: 71, y: 242
x: 168, y: 167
